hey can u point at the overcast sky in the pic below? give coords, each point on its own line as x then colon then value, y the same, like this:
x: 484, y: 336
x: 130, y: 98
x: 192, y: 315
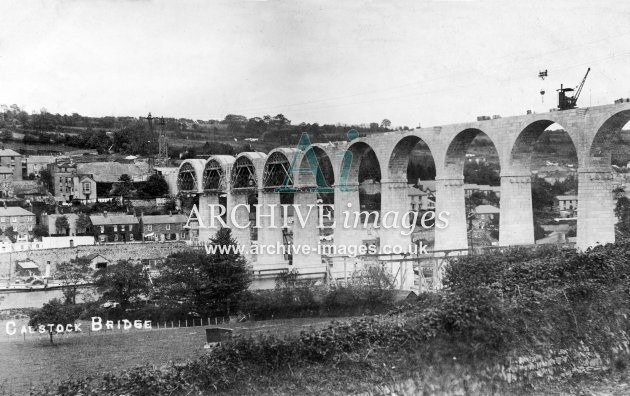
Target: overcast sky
x: 428, y: 62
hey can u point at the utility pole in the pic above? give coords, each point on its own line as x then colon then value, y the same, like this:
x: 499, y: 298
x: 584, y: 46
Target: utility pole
x: 163, y: 146
x: 150, y: 118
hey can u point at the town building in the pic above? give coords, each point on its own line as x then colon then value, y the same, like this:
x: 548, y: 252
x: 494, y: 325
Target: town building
x: 170, y: 175
x: 50, y: 220
x: 34, y: 164
x: 84, y: 188
x: 61, y: 175
x: 485, y: 216
x: 97, y: 261
x: 164, y: 227
x: 421, y: 201
x: 115, y: 228
x: 567, y: 202
x: 12, y: 160
x: 20, y: 219
x: 6, y: 182
x: 470, y: 189
x: 68, y: 184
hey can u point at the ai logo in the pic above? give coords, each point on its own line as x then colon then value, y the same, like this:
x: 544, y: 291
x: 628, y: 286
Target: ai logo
x: 304, y: 146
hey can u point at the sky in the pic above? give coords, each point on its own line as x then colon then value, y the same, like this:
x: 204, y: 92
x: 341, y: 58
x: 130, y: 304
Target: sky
x: 357, y: 61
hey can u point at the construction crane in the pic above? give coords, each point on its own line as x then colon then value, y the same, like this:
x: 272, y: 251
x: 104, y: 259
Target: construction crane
x: 570, y: 102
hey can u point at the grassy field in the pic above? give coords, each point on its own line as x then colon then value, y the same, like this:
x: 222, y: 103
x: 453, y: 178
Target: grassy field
x: 33, y: 362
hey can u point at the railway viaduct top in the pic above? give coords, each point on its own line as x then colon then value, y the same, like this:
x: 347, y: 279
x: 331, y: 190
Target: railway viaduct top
x: 591, y: 130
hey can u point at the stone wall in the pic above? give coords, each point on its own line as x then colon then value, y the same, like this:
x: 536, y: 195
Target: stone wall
x: 112, y: 252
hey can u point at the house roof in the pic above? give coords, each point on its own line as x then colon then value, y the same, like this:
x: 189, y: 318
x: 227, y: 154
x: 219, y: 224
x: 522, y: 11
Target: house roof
x: 9, y: 153
x: 164, y: 219
x: 27, y: 264
x: 41, y: 159
x: 487, y: 209
x: 15, y: 211
x: 110, y: 172
x: 92, y: 256
x: 111, y: 219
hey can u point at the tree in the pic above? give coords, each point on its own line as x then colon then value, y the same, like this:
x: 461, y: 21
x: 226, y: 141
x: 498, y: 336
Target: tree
x: 40, y: 230
x: 62, y: 225
x: 622, y: 211
x: 71, y: 274
x: 386, y: 123
x: 10, y: 233
x: 155, y: 186
x: 83, y: 224
x: 539, y: 232
x: 122, y: 282
x: 123, y: 186
x: 53, y: 313
x: 542, y: 195
x: 201, y: 282
x: 46, y: 178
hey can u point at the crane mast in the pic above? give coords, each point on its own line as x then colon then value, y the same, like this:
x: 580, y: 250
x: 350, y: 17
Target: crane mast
x: 566, y: 102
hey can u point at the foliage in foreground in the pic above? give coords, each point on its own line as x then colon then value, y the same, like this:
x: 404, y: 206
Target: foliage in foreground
x: 513, y: 315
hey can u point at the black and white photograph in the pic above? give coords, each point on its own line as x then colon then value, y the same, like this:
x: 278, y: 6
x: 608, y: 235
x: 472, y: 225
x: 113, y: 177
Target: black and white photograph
x: 314, y: 197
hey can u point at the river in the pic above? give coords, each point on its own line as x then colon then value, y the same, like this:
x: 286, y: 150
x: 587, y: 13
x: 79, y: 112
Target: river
x: 35, y: 299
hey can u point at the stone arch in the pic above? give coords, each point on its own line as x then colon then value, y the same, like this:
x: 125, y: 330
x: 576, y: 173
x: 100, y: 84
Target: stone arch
x: 278, y: 168
x: 216, y: 173
x: 596, y: 218
x: 456, y: 153
x: 401, y: 155
x: 360, y: 150
x: 325, y: 175
x: 607, y: 131
x: 245, y: 173
x: 189, y: 176
x: 523, y: 148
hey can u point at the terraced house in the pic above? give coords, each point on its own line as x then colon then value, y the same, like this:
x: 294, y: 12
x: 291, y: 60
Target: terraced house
x: 20, y: 219
x: 12, y: 160
x: 109, y: 228
x: 168, y: 227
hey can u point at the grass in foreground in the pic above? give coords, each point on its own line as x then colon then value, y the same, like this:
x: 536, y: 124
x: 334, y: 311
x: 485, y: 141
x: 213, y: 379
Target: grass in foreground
x: 35, y: 363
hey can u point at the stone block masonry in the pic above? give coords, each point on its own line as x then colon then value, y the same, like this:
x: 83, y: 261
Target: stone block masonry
x: 112, y: 252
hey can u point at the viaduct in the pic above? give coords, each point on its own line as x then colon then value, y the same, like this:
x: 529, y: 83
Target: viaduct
x: 233, y: 180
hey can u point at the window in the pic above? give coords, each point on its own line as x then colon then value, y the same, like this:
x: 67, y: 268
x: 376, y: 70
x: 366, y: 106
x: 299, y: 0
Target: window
x: 30, y: 227
x: 168, y: 226
x: 101, y: 238
x: 149, y: 227
x: 130, y: 227
x: 13, y: 219
x: 131, y: 237
x: 29, y: 219
x: 122, y: 227
x: 87, y: 187
x: 2, y: 219
x: 115, y: 237
x: 102, y: 229
x: 115, y: 228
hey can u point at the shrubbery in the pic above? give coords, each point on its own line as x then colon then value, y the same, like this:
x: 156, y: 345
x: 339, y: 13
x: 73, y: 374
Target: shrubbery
x: 534, y: 312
